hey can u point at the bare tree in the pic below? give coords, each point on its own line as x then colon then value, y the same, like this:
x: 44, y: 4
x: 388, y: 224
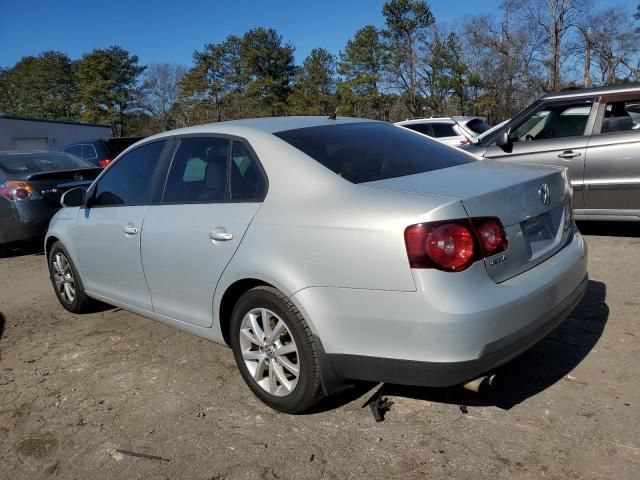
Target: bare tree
x: 161, y: 91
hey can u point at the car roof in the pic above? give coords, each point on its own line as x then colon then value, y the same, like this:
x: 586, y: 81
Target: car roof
x: 266, y: 124
x: 453, y: 119
x: 578, y: 92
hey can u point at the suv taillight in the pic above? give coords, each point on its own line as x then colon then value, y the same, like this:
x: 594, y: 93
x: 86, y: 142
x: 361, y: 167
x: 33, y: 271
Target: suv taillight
x: 18, y: 191
x: 104, y: 162
x: 453, y: 245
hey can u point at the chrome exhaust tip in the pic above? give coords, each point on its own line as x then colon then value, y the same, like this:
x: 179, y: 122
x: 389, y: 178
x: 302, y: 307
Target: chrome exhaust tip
x: 477, y: 383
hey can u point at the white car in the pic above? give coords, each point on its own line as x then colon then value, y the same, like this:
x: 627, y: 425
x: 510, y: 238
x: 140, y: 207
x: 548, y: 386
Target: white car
x: 450, y: 130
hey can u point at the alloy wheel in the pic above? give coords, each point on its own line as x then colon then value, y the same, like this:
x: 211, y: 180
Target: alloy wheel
x: 269, y: 352
x: 63, y: 277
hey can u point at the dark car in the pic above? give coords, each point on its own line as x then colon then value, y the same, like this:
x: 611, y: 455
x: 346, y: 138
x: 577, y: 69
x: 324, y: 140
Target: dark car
x: 31, y: 184
x: 100, y: 151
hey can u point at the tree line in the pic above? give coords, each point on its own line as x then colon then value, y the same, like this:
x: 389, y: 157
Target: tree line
x: 490, y: 65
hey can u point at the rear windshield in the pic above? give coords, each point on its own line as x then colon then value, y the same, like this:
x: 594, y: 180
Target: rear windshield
x: 26, y: 163
x: 369, y: 151
x: 477, y: 125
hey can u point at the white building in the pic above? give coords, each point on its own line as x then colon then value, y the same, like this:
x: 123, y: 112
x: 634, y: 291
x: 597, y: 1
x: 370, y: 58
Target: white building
x: 18, y: 133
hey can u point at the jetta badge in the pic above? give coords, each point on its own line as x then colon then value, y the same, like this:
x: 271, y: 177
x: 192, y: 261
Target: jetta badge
x: 545, y: 194
x: 77, y: 176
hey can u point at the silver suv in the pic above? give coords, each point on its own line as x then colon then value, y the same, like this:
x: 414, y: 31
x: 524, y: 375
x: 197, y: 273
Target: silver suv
x: 595, y: 132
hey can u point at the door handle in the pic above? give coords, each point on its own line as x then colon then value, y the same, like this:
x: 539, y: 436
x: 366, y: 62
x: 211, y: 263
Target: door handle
x: 131, y: 229
x: 220, y: 235
x: 569, y: 154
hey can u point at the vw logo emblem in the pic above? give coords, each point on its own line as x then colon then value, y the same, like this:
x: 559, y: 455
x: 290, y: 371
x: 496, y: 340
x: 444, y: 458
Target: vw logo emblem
x: 77, y: 176
x: 545, y: 194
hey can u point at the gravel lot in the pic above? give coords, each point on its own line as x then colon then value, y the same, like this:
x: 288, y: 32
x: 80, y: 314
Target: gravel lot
x: 79, y: 395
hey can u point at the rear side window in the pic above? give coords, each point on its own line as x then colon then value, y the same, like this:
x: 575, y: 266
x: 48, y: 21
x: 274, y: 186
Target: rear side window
x: 621, y: 116
x: 443, y: 130
x: 369, y: 151
x: 74, y: 150
x: 199, y: 171
x: 89, y: 152
x: 129, y: 180
x: 423, y: 128
x: 477, y: 125
x: 246, y: 181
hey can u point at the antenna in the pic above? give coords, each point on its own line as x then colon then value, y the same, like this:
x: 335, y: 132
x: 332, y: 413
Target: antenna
x: 333, y: 115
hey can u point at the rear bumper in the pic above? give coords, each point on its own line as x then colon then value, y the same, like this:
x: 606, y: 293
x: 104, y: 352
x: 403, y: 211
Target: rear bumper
x: 25, y: 221
x: 453, y: 328
x: 444, y: 374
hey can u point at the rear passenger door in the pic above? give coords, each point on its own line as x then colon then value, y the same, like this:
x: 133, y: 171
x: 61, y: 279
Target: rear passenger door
x: 213, y: 189
x: 612, y: 172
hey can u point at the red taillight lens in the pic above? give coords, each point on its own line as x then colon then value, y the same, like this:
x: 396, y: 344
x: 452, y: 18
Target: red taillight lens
x: 15, y: 191
x: 450, y: 246
x: 464, y: 141
x: 104, y: 162
x: 491, y: 235
x: 453, y: 245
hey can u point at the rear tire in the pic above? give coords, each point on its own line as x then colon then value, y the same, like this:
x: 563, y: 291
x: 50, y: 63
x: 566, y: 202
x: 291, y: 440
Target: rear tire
x: 3, y: 250
x: 66, y: 281
x: 274, y: 350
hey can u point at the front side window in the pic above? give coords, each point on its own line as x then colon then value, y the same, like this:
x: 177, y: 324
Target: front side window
x: 554, y: 121
x: 369, y: 151
x: 621, y: 116
x: 199, y: 171
x: 129, y: 180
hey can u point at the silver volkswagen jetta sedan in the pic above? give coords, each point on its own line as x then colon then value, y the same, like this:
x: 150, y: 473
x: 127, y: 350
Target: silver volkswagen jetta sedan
x: 325, y: 251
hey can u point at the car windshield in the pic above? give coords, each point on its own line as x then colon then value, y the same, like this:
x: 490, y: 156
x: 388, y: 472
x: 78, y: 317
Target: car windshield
x: 369, y: 151
x: 37, y: 162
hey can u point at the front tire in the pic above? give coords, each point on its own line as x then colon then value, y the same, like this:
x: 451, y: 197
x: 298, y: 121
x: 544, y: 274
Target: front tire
x: 66, y: 281
x: 274, y: 350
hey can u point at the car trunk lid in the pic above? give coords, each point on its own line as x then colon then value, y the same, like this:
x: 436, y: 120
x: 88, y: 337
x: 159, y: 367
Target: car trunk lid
x: 51, y: 185
x: 530, y: 201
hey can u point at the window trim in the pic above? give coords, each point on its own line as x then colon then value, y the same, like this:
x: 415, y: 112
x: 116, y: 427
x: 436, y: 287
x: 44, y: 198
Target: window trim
x: 588, y: 128
x: 232, y: 138
x: 153, y: 182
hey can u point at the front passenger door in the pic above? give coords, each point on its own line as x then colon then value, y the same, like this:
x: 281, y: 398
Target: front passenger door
x: 108, y: 229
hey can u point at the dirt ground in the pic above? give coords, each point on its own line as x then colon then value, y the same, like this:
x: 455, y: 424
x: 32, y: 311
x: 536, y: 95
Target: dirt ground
x: 114, y: 395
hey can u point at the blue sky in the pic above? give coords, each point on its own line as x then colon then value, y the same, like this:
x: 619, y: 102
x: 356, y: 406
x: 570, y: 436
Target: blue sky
x: 169, y: 31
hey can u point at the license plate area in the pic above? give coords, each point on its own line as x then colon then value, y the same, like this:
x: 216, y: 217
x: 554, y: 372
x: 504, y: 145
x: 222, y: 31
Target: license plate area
x: 541, y: 233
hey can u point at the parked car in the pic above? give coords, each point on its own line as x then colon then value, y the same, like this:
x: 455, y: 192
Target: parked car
x: 326, y: 251
x: 100, y: 151
x: 594, y: 132
x: 31, y: 184
x: 450, y: 130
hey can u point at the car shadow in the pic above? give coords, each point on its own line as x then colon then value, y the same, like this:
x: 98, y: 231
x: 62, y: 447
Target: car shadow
x: 1, y: 330
x: 540, y: 367
x: 610, y: 229
x: 23, y: 249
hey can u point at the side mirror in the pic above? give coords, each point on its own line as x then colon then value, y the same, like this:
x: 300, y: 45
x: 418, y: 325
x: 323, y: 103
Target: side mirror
x: 503, y: 140
x: 76, y: 197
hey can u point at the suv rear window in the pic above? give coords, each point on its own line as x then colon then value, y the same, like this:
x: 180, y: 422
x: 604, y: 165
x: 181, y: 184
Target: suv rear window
x: 370, y: 151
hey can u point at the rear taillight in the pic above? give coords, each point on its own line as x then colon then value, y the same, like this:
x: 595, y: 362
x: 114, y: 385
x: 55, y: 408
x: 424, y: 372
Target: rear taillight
x: 464, y: 141
x: 19, y: 191
x: 104, y: 162
x: 491, y: 235
x: 453, y: 245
